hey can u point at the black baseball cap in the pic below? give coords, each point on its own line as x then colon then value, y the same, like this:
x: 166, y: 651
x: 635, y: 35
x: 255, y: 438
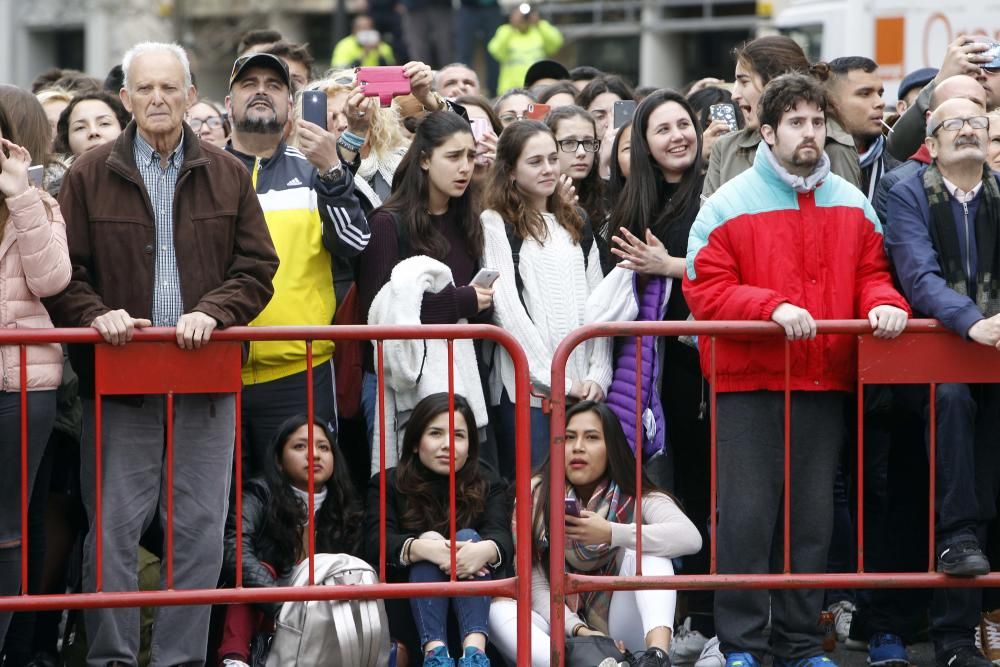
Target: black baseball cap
x: 260, y: 60
x: 545, y: 69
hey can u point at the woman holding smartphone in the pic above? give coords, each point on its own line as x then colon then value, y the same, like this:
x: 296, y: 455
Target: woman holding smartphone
x: 432, y: 211
x: 601, y: 541
x: 541, y: 298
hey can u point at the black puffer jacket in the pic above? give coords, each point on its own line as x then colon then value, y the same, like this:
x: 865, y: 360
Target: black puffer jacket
x: 258, y: 547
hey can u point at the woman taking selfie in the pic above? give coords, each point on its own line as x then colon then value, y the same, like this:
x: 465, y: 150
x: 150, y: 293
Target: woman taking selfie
x: 549, y: 264
x: 601, y: 541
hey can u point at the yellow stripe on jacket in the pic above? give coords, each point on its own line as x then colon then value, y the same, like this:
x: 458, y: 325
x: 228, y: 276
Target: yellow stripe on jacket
x: 303, y: 285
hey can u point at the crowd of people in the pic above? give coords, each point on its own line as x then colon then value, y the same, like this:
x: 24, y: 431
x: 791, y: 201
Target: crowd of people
x: 789, y: 195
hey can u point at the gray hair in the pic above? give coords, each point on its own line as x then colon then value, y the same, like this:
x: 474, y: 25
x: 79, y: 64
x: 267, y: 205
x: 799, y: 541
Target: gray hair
x: 149, y: 47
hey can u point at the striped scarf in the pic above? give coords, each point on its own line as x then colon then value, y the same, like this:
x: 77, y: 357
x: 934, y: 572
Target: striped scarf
x: 608, y: 502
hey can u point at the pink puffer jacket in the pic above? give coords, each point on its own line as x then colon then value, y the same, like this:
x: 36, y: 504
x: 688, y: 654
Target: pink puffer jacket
x: 34, y: 263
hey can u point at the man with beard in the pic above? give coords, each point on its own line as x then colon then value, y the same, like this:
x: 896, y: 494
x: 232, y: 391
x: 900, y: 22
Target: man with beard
x: 785, y: 241
x: 312, y: 214
x: 945, y: 248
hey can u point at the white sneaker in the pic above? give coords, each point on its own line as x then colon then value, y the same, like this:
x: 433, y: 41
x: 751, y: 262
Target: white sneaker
x: 686, y: 645
x: 230, y: 662
x: 843, y: 612
x: 711, y: 655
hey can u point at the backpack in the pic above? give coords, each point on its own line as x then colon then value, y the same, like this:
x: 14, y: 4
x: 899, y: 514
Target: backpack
x: 332, y: 633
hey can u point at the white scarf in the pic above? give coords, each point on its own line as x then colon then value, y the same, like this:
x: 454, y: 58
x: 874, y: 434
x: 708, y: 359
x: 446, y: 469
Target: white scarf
x: 801, y: 184
x: 318, y: 498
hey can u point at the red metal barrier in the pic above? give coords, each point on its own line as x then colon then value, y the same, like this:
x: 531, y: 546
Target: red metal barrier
x: 153, y: 364
x: 926, y: 354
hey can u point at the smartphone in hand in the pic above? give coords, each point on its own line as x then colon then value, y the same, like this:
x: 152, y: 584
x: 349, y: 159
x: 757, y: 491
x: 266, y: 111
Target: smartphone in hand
x: 572, y: 507
x: 36, y: 175
x: 485, y: 278
x: 537, y: 111
x: 622, y: 112
x: 384, y: 83
x: 314, y: 107
x: 724, y: 112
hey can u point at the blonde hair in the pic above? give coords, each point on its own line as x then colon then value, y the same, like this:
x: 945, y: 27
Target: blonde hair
x: 385, y: 135
x: 54, y: 95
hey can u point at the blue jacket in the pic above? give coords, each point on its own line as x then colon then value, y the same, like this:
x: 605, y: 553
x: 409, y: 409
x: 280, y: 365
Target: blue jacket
x: 908, y: 239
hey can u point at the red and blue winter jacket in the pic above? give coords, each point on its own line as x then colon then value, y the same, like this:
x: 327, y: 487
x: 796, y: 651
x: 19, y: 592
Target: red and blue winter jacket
x: 756, y: 244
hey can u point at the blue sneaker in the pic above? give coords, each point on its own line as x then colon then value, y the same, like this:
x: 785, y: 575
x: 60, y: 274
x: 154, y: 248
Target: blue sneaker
x: 815, y: 661
x: 741, y: 660
x: 887, y: 650
x: 438, y: 657
x: 473, y: 658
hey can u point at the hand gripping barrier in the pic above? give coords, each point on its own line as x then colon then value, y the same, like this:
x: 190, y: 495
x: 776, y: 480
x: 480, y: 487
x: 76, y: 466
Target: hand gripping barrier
x: 925, y: 354
x: 152, y: 363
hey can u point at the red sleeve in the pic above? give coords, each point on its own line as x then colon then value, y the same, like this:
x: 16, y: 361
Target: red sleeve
x: 714, y: 292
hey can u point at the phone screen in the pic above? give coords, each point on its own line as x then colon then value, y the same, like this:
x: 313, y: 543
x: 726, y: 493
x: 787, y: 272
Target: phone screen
x: 36, y: 175
x: 572, y: 507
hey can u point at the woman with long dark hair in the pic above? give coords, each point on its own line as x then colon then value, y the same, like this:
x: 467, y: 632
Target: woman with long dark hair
x: 541, y: 298
x: 417, y: 529
x: 601, y: 541
x: 651, y: 224
x: 275, y: 525
x: 576, y: 138
x: 432, y: 211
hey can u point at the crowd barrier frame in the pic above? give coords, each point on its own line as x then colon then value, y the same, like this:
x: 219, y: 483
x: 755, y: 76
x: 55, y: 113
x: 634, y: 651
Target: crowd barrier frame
x: 926, y: 353
x: 152, y: 363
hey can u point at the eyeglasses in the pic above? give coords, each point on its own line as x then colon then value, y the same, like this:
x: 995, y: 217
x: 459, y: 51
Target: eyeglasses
x: 956, y: 124
x: 510, y: 117
x: 213, y: 123
x: 572, y: 145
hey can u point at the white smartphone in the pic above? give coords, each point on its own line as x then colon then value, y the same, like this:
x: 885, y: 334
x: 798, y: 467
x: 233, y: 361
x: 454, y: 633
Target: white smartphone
x: 485, y: 277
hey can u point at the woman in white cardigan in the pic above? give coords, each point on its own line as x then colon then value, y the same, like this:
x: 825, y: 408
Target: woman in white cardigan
x: 543, y: 298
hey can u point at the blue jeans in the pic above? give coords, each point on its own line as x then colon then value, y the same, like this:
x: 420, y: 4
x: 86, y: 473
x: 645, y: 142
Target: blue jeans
x: 476, y: 26
x: 431, y: 614
x: 540, y: 437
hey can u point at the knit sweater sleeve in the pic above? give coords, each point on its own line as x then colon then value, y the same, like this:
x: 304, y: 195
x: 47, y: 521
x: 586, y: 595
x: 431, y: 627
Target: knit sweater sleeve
x: 377, y: 260
x: 601, y: 367
x: 666, y: 530
x: 508, y: 311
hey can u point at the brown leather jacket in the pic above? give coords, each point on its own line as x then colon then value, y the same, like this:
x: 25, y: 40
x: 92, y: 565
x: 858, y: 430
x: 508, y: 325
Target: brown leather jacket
x: 224, y: 252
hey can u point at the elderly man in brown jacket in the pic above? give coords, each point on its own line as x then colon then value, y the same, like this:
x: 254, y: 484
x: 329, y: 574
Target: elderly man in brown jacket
x: 163, y: 230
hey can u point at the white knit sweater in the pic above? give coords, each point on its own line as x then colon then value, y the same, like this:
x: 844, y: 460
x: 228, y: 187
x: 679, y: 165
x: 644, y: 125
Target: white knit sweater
x: 556, y: 288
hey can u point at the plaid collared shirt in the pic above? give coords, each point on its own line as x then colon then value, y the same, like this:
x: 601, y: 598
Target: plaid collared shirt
x: 160, y: 182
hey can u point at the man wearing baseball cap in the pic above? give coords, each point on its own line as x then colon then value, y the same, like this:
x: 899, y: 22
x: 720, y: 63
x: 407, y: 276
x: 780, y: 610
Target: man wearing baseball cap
x: 313, y: 215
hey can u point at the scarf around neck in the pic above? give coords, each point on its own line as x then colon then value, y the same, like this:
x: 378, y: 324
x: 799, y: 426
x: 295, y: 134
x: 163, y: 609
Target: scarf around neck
x: 303, y: 496
x: 800, y: 184
x: 609, y: 502
x: 944, y: 235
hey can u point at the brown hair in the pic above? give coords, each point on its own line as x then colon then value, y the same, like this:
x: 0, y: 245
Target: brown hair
x: 25, y: 112
x: 7, y: 132
x: 484, y: 104
x: 771, y: 56
x: 784, y: 92
x: 506, y: 199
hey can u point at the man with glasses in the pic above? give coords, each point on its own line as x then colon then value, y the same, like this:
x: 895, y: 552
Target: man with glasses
x: 313, y: 214
x: 943, y: 237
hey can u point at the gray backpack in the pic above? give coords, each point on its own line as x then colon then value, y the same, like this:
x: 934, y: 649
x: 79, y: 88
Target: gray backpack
x: 332, y: 633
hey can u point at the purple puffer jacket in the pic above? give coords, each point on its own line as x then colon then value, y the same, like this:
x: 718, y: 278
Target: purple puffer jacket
x: 622, y: 392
